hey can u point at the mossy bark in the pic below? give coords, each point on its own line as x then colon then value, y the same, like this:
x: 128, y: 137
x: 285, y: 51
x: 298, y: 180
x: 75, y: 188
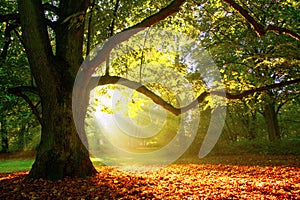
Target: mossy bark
x: 61, y: 153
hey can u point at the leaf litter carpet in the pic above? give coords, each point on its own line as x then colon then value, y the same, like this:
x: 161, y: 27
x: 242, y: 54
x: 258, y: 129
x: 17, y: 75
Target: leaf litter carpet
x: 176, y: 181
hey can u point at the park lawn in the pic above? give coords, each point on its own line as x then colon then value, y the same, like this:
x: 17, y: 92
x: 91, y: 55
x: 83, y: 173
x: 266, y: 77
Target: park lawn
x: 15, y: 165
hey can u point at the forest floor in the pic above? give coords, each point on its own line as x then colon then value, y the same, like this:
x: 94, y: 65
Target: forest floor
x: 215, y: 177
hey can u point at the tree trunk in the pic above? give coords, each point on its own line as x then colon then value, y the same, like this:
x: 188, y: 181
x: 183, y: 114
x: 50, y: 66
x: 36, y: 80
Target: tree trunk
x: 61, y: 152
x: 231, y: 135
x: 21, y: 137
x: 4, y: 138
x: 251, y: 126
x: 272, y: 122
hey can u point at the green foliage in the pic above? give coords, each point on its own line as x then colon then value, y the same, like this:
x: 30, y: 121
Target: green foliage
x: 289, y: 119
x: 109, y: 18
x: 284, y: 147
x: 245, y: 61
x: 17, y: 123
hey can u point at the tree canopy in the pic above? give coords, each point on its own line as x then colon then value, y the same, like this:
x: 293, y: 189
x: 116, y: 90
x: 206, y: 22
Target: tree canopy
x: 255, y: 46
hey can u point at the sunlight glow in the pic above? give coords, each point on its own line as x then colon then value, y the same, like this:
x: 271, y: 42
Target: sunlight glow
x: 125, y: 128
x: 134, y: 117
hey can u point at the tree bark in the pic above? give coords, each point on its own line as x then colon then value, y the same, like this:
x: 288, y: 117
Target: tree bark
x: 21, y: 137
x: 252, y: 126
x: 4, y: 136
x: 61, y: 152
x: 272, y: 122
x: 259, y: 28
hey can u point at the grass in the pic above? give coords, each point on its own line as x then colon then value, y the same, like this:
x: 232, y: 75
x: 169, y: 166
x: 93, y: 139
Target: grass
x: 15, y: 165
x: 8, y: 166
x: 285, y: 153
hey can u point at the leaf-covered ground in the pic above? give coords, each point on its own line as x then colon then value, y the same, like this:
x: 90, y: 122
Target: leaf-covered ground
x: 177, y: 181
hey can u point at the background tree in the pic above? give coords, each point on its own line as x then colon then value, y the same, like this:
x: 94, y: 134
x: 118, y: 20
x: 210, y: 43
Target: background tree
x: 57, y: 34
x: 19, y: 127
x: 247, y: 61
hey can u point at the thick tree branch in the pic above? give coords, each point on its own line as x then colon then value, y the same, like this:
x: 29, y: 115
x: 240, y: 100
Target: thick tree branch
x: 89, y: 67
x: 7, y: 34
x: 50, y: 7
x: 260, y: 29
x: 12, y: 21
x: 260, y: 89
x: 172, y: 8
x: 51, y: 24
x: 104, y: 80
x: 10, y: 17
x: 37, y: 42
x: 18, y: 91
x: 280, y: 31
x: 81, y: 86
x: 30, y: 89
x: 112, y: 25
x: 89, y: 29
x: 111, y: 33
